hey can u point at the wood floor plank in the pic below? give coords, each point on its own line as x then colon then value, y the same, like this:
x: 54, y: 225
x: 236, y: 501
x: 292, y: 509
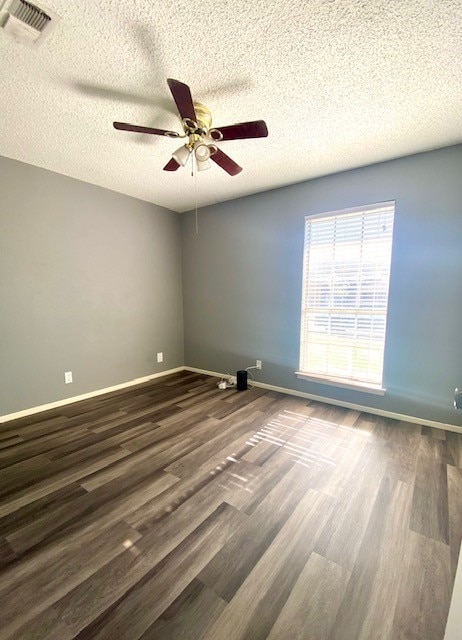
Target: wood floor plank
x: 239, y: 403
x: 424, y: 591
x: 44, y: 586
x: 145, y: 516
x: 342, y: 535
x: 230, y: 479
x: 259, y: 601
x: 84, y: 605
x: 435, y: 451
x: 310, y: 613
x: 102, y: 508
x: 261, y: 482
x: 384, y: 429
x: 225, y: 444
x: 181, y: 508
x: 180, y: 377
x: 189, y: 616
x: 91, y: 423
x: 439, y: 434
x: 191, y: 399
x: 121, y: 423
x: 201, y: 410
x: 88, y: 413
x: 39, y: 445
x: 154, y: 414
x: 261, y: 454
x: 7, y: 554
x: 8, y: 434
x: 455, y: 516
x: 47, y: 624
x: 130, y: 618
x: 62, y: 549
x: 402, y: 449
x: 9, y: 441
x: 334, y: 479
x: 342, y: 442
x: 369, y: 602
x: 33, y: 426
x: 454, y: 445
x: 430, y: 511
x: 231, y: 566
x: 204, y: 429
x: 44, y: 506
x: 269, y: 438
x: 23, y: 474
x: 115, y: 439
x: 59, y: 480
x: 158, y: 455
x: 157, y: 434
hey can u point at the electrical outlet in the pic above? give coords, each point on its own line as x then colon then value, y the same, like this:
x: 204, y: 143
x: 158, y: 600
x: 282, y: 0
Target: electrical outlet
x: 258, y: 364
x: 68, y: 377
x: 160, y: 357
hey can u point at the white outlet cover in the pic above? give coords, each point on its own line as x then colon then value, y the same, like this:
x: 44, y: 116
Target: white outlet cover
x: 68, y: 377
x: 160, y: 357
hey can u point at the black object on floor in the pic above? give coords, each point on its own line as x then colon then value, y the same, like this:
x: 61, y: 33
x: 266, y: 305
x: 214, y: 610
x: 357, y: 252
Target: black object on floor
x: 241, y: 384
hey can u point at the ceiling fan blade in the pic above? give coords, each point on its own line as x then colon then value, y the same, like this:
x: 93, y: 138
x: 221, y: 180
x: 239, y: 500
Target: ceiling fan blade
x: 182, y: 95
x: 226, y: 163
x: 255, y: 129
x: 124, y: 126
x: 172, y: 165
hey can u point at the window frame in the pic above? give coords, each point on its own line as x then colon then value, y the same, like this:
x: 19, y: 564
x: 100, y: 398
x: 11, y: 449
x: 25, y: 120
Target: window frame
x: 327, y: 379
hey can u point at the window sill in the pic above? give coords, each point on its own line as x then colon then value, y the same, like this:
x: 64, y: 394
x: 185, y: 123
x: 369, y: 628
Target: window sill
x: 342, y: 383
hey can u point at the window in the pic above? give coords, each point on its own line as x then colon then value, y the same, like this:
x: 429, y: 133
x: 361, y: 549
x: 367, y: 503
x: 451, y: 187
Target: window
x: 345, y: 295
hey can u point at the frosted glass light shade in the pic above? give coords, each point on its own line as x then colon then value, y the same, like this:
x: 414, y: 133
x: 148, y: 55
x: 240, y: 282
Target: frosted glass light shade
x: 181, y: 155
x: 202, y: 152
x: 202, y: 165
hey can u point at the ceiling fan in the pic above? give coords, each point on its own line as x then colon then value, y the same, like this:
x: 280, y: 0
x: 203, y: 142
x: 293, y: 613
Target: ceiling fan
x: 197, y: 127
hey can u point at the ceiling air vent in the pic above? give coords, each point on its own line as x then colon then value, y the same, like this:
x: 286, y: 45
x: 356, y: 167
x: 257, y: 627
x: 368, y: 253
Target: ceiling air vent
x: 27, y: 22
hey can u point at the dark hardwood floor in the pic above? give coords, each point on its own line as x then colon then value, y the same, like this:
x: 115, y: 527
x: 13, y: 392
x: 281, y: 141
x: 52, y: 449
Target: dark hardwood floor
x: 173, y: 510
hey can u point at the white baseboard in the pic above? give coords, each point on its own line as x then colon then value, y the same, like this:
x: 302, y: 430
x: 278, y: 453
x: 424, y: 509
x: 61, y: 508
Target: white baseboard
x: 339, y: 403
x: 263, y: 385
x: 85, y: 396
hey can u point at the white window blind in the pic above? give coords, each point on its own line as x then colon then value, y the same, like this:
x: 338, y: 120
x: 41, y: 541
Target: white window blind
x: 345, y: 293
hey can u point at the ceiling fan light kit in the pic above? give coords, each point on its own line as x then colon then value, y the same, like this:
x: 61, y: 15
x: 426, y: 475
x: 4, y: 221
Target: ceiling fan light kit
x: 197, y: 127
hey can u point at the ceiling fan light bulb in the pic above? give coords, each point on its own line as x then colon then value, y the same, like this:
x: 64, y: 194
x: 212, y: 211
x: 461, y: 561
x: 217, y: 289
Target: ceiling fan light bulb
x: 181, y: 155
x: 202, y: 152
x: 202, y: 165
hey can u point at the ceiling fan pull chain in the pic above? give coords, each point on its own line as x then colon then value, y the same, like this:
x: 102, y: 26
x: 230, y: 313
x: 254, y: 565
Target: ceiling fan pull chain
x: 195, y: 197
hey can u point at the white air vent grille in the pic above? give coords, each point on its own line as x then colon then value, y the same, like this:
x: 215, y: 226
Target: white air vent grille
x: 30, y: 14
x: 26, y: 22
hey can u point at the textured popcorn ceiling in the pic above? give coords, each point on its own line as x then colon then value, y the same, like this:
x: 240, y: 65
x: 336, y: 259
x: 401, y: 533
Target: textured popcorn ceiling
x: 340, y: 83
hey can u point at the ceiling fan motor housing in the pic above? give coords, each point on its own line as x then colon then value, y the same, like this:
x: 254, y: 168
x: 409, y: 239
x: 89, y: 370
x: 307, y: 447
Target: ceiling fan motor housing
x: 203, y: 116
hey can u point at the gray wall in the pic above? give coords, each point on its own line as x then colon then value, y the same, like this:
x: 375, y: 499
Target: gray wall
x: 90, y: 282
x: 242, y: 278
